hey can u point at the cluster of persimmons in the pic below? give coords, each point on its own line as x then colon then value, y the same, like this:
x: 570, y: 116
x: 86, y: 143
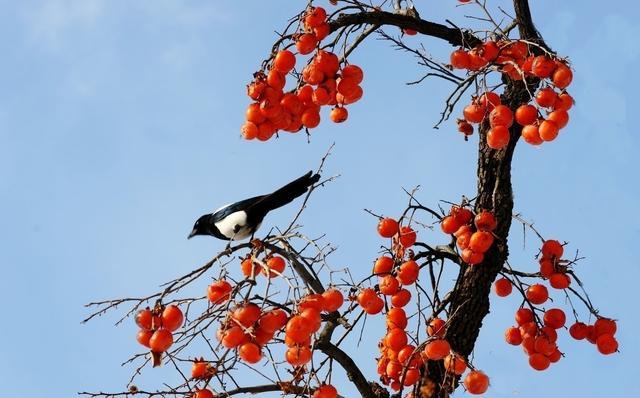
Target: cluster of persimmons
x: 515, y: 59
x: 325, y: 81
x: 400, y: 361
x: 538, y: 337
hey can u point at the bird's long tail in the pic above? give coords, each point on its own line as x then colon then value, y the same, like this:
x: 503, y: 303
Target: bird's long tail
x: 287, y: 193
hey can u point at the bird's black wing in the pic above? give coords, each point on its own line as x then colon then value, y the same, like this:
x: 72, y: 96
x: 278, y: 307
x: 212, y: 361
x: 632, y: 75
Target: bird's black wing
x: 282, y: 196
x: 232, y: 208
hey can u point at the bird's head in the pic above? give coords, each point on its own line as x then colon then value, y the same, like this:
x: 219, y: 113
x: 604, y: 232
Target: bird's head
x: 201, y: 227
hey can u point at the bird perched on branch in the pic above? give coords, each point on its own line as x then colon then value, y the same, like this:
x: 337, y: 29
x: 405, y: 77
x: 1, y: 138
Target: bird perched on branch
x: 241, y: 219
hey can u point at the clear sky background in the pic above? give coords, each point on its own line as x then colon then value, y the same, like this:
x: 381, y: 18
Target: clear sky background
x: 119, y: 125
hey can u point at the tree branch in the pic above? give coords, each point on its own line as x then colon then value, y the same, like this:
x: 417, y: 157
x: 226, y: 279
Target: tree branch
x: 454, y: 36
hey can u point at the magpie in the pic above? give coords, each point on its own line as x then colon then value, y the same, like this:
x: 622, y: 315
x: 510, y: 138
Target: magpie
x: 241, y: 219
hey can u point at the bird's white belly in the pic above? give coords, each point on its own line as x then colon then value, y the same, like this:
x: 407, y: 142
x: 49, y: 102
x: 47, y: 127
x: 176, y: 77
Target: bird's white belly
x: 231, y: 223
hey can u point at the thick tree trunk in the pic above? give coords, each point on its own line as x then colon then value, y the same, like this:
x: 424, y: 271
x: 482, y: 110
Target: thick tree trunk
x: 470, y: 299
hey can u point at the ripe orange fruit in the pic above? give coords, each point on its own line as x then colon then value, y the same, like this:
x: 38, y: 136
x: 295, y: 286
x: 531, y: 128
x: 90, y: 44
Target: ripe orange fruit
x: 328, y: 62
x: 411, y: 377
x: 275, y: 266
x: 253, y: 114
x: 255, y: 89
x: 498, y: 137
x: 306, y: 43
x: 315, y: 301
x: 437, y: 349
x: 524, y: 315
x: 529, y: 329
x: 461, y: 214
x: 562, y: 76
x: 546, y: 97
x: 352, y: 72
x: 460, y: 59
x: 449, y: 225
x: 531, y: 134
x: 199, y: 370
x: 502, y: 287
x: 383, y: 265
x: 563, y: 102
x: 401, y: 298
x: 388, y: 285
x: 250, y: 352
x: 298, y: 355
x: 485, y: 221
x: 476, y: 382
x: 249, y: 130
x: 470, y: 257
x: 219, y: 291
x: 366, y: 297
x: 338, y: 114
x: 160, y: 340
x: 578, y: 331
x: 537, y: 294
x: 375, y: 307
x: 273, y: 320
x: 554, y: 318
x: 560, y: 117
x: 476, y: 62
x: 312, y: 316
x: 298, y: 329
x: 539, y: 361
x: 249, y: 268
x: 481, y: 241
x: 552, y: 249
x: 501, y: 115
x: 490, y: 50
x: 246, y: 315
x: 436, y: 327
x: 206, y: 393
x: 490, y: 100
x: 396, y: 339
x: 408, y: 272
x: 314, y: 17
x: 559, y: 280
x: 276, y: 79
x: 405, y: 354
x: 526, y: 114
x: 544, y: 345
x: 474, y: 113
x: 144, y: 319
x: 548, y: 130
x: 543, y: 66
x: 407, y: 236
x: 144, y: 336
x: 172, y: 318
x: 513, y: 336
x: 387, y: 227
x: 310, y: 118
x: 605, y: 326
x: 284, y: 61
x: 396, y: 318
x: 326, y: 391
x: 455, y: 364
x: 233, y: 337
x: 607, y: 344
x: 333, y: 300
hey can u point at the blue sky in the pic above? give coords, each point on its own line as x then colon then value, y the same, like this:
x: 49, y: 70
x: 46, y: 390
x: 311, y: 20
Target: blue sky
x: 119, y: 126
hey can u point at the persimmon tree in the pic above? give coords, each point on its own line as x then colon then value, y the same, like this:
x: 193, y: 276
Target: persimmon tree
x: 279, y: 302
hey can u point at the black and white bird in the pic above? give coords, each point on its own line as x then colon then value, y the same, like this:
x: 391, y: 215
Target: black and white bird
x: 240, y: 220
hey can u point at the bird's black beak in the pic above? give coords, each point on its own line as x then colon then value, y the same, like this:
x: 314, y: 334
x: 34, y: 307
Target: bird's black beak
x: 192, y: 234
